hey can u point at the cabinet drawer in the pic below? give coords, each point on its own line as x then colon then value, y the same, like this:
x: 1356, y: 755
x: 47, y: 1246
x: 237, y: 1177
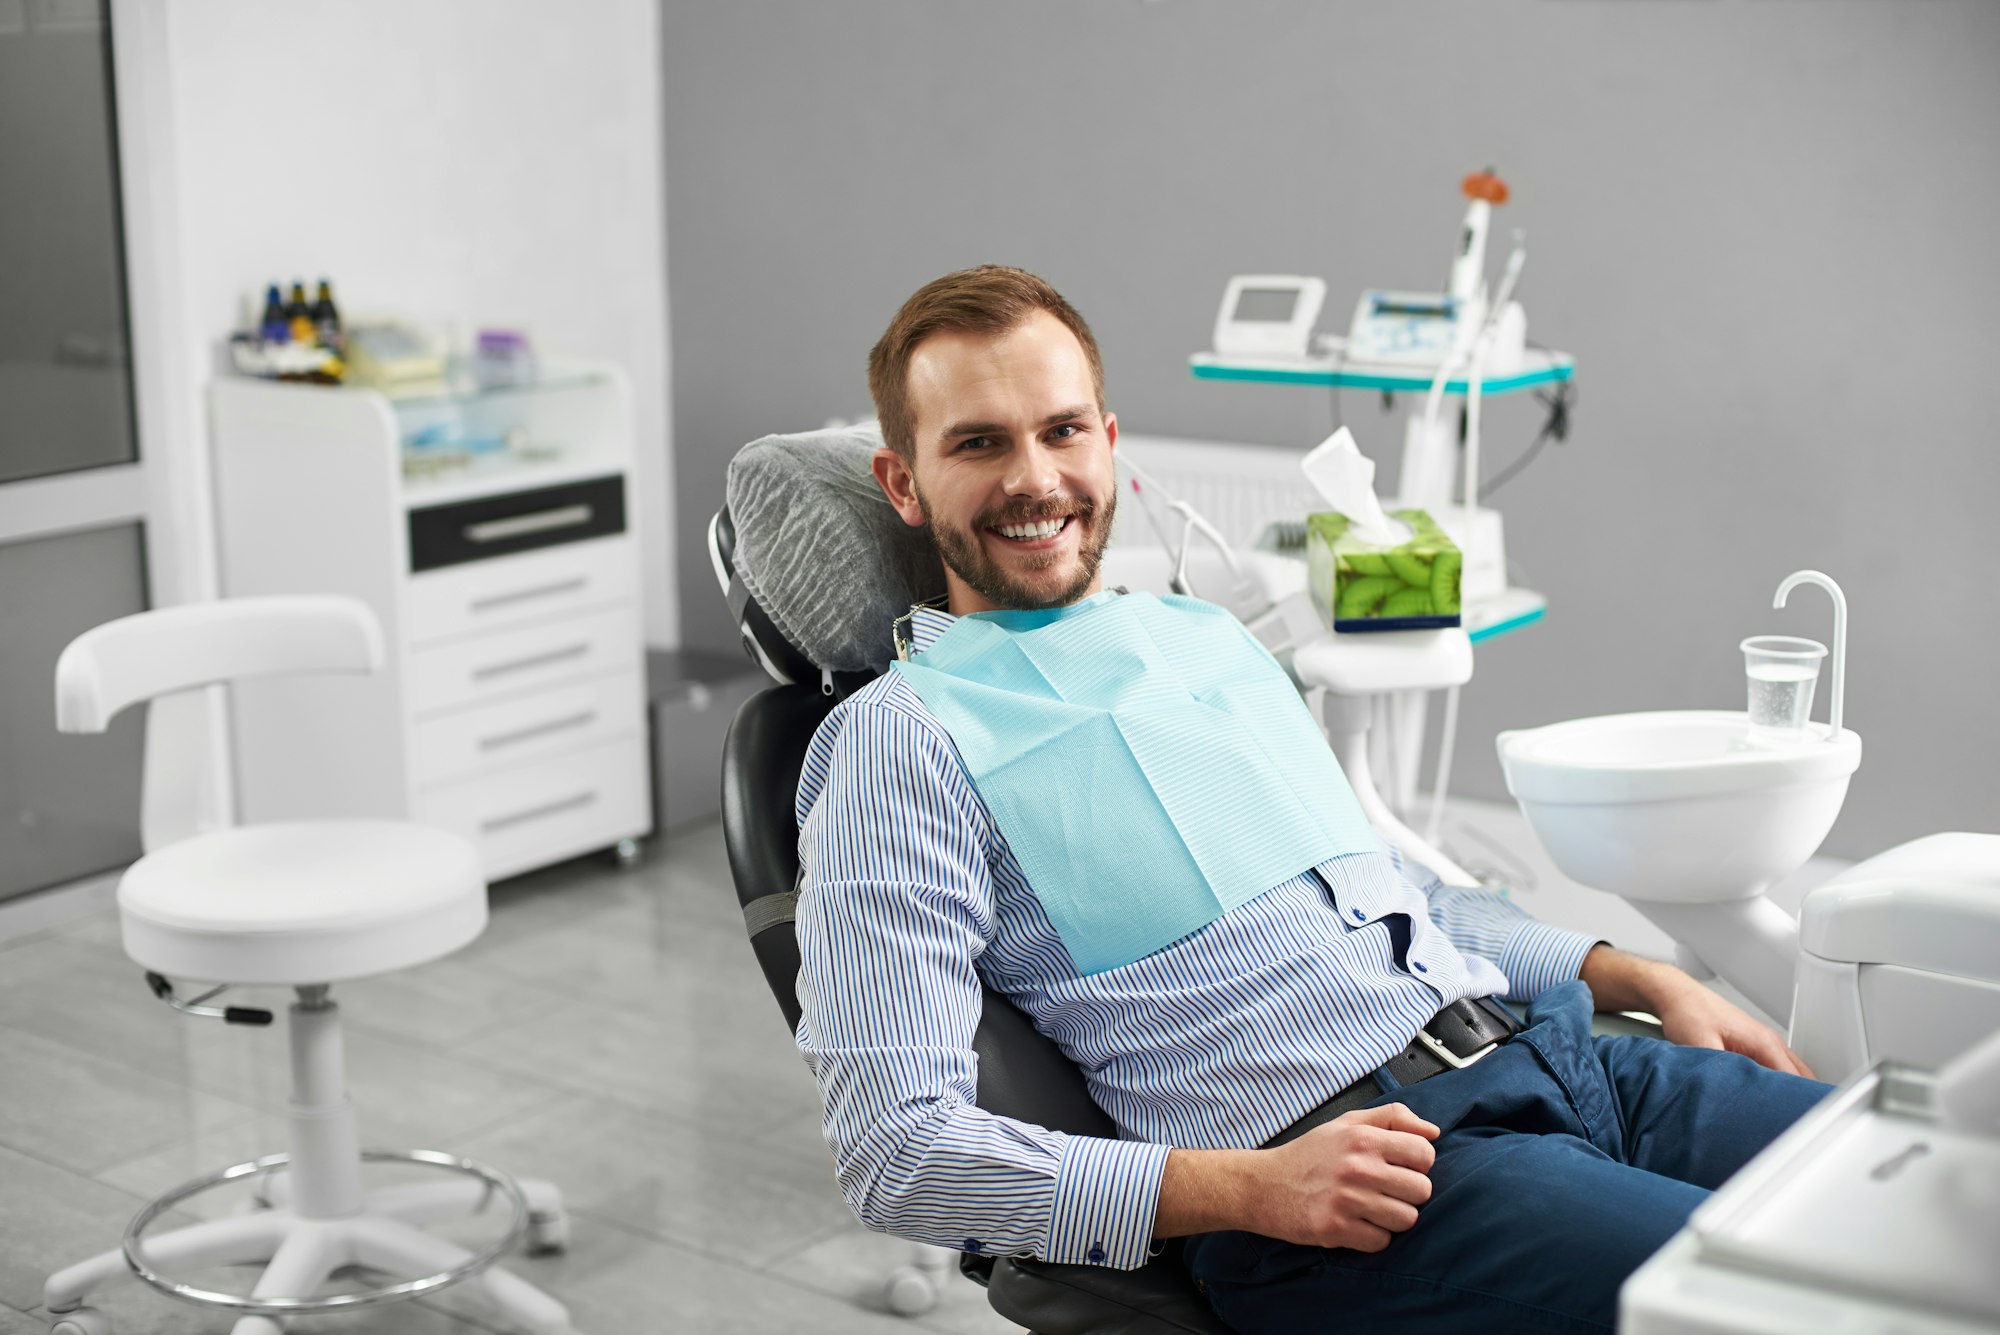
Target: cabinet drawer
x: 518, y: 521
x: 529, y: 587
x: 558, y: 807
x: 467, y: 743
x: 511, y: 662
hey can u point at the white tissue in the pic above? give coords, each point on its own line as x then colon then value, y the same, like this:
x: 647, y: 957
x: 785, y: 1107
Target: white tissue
x: 1345, y: 479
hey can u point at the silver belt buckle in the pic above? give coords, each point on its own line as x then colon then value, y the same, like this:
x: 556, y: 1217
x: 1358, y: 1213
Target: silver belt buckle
x: 1447, y: 1056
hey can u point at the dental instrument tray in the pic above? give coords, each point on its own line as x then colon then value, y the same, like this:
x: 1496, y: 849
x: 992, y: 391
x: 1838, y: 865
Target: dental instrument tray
x: 1358, y: 586
x: 1868, y: 1199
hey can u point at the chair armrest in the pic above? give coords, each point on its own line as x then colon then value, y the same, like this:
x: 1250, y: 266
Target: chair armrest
x: 1156, y: 1299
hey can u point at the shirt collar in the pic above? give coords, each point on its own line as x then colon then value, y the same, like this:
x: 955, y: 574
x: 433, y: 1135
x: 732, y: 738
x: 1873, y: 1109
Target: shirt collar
x: 926, y: 624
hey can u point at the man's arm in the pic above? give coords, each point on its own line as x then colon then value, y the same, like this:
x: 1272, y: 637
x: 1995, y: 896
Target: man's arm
x: 895, y: 904
x: 1688, y: 1012
x: 1354, y: 1182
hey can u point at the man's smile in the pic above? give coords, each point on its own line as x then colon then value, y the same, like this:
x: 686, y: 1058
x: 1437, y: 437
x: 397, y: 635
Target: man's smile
x: 1033, y: 535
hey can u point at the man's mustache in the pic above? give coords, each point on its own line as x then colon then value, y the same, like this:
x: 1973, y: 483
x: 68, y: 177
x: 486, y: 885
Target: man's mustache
x: 1034, y: 512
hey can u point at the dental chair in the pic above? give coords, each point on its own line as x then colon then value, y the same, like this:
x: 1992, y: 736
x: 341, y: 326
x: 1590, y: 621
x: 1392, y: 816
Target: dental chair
x: 299, y: 905
x: 810, y: 501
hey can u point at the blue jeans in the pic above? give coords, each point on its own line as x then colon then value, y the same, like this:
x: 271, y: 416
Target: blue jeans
x: 1564, y: 1161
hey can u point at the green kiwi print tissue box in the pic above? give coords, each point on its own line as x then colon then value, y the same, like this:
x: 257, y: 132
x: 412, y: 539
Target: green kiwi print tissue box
x: 1360, y: 587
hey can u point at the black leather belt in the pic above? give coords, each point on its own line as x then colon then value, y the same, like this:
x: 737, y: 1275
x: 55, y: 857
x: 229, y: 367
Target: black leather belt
x: 1456, y: 1036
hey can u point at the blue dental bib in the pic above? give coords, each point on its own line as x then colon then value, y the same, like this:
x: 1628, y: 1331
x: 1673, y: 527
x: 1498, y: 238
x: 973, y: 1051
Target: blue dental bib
x: 1149, y: 763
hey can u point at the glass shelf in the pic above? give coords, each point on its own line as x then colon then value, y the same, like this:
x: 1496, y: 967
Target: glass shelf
x: 458, y: 443
x: 445, y: 395
x: 1536, y: 367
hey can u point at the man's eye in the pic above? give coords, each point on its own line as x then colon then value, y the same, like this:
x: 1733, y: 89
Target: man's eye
x: 1066, y: 430
x: 976, y: 443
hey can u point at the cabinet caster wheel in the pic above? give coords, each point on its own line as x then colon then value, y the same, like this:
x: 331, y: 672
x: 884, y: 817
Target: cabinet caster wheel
x: 548, y: 1234
x: 909, y: 1291
x: 627, y: 852
x: 80, y: 1321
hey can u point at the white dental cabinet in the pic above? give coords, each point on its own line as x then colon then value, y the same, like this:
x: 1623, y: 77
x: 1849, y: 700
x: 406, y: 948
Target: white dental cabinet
x: 488, y: 530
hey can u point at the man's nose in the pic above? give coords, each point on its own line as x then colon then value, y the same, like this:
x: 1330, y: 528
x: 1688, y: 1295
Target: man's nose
x: 1032, y: 471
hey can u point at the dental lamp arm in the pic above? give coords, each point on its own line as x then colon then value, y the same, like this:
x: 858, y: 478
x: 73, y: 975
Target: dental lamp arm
x: 1689, y: 1013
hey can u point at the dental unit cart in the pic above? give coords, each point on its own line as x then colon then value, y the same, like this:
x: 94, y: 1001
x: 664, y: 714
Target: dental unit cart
x: 1466, y: 341
x: 1424, y: 471
x: 488, y: 531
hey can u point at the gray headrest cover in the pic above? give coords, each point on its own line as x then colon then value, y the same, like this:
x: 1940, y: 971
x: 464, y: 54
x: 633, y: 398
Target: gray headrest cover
x: 821, y: 550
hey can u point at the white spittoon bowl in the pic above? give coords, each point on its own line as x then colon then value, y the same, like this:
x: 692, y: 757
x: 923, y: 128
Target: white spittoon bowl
x: 1677, y: 807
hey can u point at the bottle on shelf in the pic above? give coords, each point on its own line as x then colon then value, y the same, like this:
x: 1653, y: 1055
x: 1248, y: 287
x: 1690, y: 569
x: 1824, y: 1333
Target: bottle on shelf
x: 275, y: 327
x: 298, y: 314
x: 326, y: 319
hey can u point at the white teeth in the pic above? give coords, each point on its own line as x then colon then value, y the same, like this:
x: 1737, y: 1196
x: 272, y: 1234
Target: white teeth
x: 1048, y: 528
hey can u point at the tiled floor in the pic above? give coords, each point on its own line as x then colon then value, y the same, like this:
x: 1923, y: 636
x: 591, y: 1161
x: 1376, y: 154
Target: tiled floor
x: 609, y: 1032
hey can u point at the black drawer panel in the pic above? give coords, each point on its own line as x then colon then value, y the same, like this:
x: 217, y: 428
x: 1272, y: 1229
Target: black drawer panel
x: 518, y: 521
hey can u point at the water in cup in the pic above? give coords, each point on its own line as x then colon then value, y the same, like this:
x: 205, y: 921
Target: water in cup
x: 1781, y: 694
x: 1782, y: 670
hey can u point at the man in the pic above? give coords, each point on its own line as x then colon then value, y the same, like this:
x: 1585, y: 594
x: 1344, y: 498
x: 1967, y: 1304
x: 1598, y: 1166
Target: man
x: 965, y: 818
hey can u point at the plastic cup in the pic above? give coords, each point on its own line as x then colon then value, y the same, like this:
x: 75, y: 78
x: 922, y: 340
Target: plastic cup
x: 1783, y: 671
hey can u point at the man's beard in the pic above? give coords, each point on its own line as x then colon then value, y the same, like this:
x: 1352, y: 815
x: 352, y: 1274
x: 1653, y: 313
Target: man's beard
x: 965, y: 555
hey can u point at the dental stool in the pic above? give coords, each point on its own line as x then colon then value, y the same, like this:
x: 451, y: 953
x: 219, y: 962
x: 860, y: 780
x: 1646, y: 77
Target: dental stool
x: 812, y: 497
x: 297, y: 904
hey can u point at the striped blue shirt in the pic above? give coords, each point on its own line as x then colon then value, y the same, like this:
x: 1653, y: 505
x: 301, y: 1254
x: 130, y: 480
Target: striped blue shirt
x: 909, y: 898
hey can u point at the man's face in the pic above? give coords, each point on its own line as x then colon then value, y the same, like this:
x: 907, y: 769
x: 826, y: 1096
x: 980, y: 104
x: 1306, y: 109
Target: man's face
x: 1012, y: 472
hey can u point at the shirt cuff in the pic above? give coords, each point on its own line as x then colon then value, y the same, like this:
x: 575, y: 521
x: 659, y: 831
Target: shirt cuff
x: 1538, y: 956
x: 1107, y: 1193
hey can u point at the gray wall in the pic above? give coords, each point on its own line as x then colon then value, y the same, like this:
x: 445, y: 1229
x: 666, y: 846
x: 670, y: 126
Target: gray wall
x: 1766, y: 229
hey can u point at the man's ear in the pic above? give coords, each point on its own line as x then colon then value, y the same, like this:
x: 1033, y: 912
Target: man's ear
x: 1111, y: 430
x: 899, y: 484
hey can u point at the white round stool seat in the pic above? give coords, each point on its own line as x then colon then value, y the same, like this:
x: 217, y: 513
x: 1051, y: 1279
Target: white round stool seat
x: 294, y: 903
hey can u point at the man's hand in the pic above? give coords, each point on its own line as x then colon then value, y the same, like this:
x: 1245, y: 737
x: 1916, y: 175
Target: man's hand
x: 1354, y: 1182
x: 1689, y: 1013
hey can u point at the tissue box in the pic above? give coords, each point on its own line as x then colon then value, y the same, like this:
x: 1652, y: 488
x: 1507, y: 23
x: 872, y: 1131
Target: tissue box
x: 1358, y: 586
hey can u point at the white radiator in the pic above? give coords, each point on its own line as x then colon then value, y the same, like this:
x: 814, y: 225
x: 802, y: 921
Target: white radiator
x: 1238, y: 488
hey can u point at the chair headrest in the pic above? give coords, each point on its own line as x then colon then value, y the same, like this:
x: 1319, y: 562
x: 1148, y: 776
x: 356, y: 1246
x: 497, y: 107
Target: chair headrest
x: 821, y: 550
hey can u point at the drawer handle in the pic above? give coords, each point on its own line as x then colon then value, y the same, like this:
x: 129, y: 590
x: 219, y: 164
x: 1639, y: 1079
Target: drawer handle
x: 571, y: 803
x: 492, y: 601
x: 498, y: 740
x: 519, y: 526
x: 532, y: 661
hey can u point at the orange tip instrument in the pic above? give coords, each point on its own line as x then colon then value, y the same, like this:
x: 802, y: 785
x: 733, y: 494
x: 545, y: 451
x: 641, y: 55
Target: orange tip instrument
x: 1485, y: 185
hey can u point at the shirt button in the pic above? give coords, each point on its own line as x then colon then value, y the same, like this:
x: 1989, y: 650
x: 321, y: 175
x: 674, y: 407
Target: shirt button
x: 974, y: 1245
x: 1359, y: 916
x: 1419, y: 967
x: 1096, y: 1256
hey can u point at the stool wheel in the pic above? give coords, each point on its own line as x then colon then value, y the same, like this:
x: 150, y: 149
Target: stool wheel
x: 80, y: 1321
x: 909, y: 1291
x: 548, y: 1233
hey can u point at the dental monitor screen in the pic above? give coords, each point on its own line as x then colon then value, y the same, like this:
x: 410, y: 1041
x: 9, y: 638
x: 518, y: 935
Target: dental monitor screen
x: 1267, y: 305
x: 1268, y: 315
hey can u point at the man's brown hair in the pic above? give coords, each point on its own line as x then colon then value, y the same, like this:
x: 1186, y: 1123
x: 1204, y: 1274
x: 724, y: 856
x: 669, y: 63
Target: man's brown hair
x: 991, y: 300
